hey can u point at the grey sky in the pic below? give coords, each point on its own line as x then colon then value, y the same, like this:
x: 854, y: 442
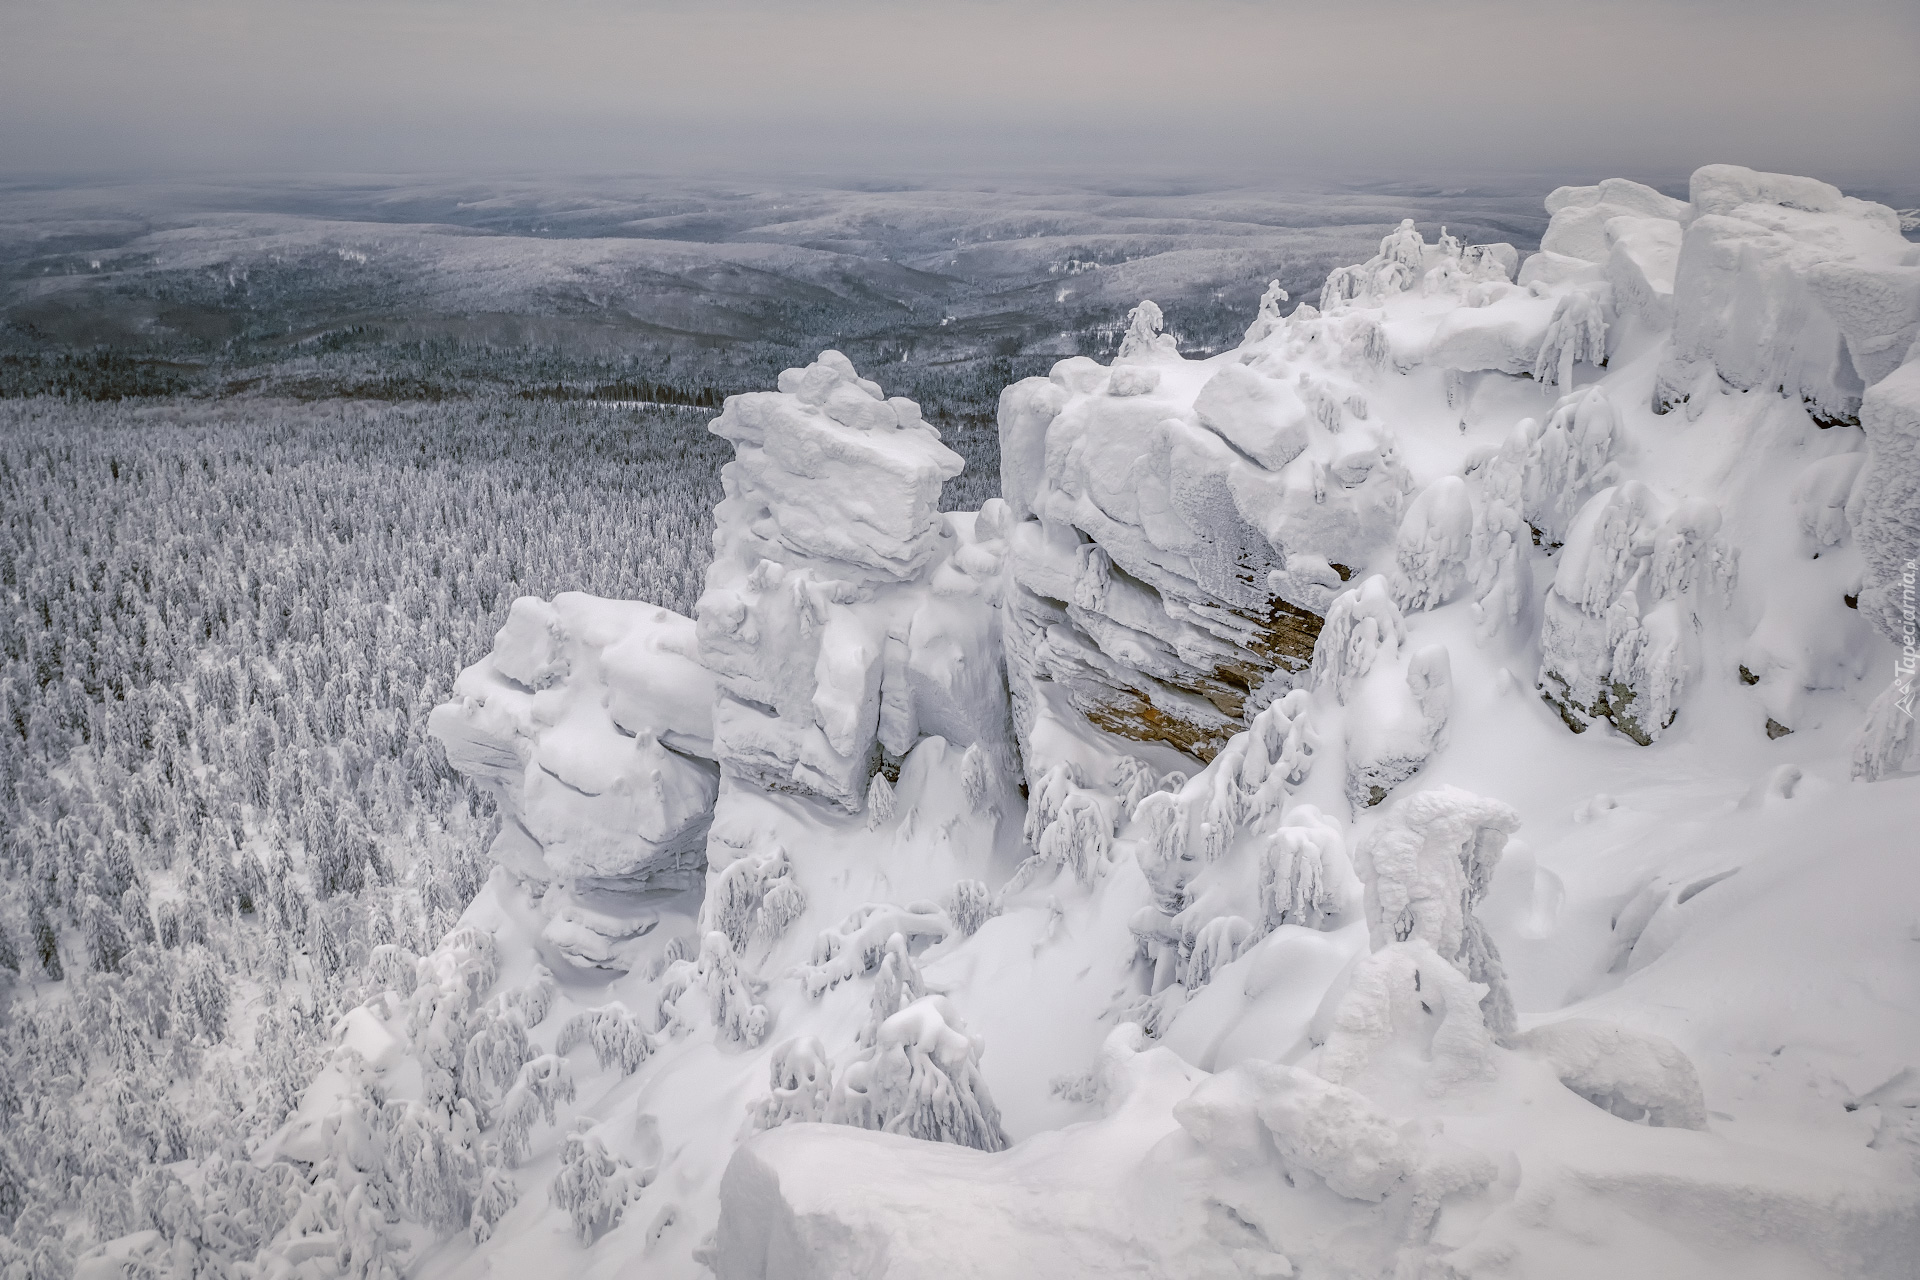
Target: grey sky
x: 1373, y: 86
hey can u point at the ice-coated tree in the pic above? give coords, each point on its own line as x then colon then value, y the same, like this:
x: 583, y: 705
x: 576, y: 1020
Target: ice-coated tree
x: 497, y: 1047
x: 756, y: 896
x: 1578, y: 331
x: 977, y: 777
x: 1424, y: 872
x: 735, y: 1012
x: 497, y: 1194
x: 1143, y: 336
x: 542, y: 1085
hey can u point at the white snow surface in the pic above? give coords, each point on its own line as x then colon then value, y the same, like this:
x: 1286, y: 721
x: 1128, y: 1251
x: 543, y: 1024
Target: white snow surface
x: 1554, y: 914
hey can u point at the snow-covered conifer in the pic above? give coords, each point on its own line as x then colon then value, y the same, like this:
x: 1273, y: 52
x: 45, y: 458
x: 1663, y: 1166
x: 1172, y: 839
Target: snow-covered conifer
x: 542, y: 1085
x: 616, y: 1036
x: 977, y: 777
x: 799, y: 1086
x: 594, y: 1186
x: 497, y: 1195
x: 1436, y: 538
x: 755, y: 896
x: 1143, y: 337
x: 1577, y: 332
x: 497, y: 1047
x: 735, y: 1012
x: 1425, y: 871
x: 921, y: 1078
x: 970, y: 904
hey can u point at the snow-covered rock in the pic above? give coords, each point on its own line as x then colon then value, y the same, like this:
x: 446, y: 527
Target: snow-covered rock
x: 1582, y: 216
x: 1784, y: 283
x: 1631, y: 1074
x: 1617, y: 640
x: 837, y: 616
x: 592, y: 723
x: 1889, y: 512
x: 1223, y: 893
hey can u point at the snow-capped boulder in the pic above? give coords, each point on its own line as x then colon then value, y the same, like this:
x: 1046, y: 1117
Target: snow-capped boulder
x: 1642, y: 256
x: 1632, y: 1074
x: 1580, y: 216
x: 1316, y: 1128
x: 1785, y: 284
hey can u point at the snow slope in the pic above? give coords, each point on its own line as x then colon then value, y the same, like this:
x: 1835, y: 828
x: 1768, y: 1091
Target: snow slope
x: 1415, y: 795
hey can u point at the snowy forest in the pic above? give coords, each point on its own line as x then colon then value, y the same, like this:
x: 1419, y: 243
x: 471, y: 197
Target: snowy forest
x: 226, y: 625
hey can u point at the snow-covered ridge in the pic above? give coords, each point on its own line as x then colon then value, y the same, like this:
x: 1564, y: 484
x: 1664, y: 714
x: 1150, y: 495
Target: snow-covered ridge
x: 1392, y: 799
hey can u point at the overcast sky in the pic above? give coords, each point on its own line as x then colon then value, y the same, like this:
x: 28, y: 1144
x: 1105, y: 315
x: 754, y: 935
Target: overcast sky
x: 1252, y: 88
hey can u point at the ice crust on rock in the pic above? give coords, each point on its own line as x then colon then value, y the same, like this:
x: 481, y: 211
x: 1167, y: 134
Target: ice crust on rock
x: 1175, y: 546
x: 1172, y: 869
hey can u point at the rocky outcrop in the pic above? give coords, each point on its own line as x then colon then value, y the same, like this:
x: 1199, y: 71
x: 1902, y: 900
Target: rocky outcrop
x: 1181, y: 526
x: 591, y: 722
x: 836, y: 618
x: 1786, y: 284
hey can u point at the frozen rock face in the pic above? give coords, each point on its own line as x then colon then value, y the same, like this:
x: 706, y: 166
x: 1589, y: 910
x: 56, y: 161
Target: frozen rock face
x: 1183, y: 525
x: 837, y: 617
x: 592, y: 723
x: 1784, y: 283
x: 1889, y: 515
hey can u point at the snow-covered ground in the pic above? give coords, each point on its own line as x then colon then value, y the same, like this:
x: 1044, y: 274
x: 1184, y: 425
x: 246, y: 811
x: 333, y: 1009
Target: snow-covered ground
x: 1430, y: 792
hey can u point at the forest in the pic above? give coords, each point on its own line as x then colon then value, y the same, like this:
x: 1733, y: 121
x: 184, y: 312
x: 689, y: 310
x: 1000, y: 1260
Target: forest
x: 225, y: 624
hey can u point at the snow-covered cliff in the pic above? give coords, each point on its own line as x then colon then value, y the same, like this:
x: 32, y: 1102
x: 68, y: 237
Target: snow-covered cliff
x: 1422, y: 793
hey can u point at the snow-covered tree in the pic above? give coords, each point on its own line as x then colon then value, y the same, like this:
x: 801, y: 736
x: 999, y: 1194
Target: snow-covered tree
x: 594, y: 1187
x: 921, y: 1078
x: 616, y: 1036
x: 799, y: 1085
